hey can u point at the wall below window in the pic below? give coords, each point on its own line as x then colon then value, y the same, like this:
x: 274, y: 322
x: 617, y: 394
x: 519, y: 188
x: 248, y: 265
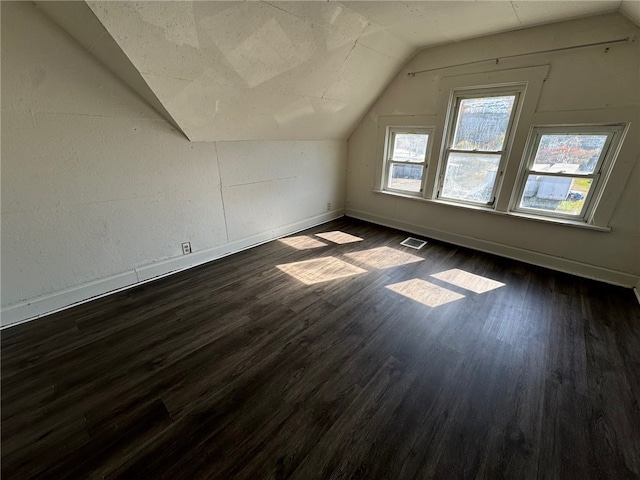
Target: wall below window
x: 99, y: 192
x: 590, y: 85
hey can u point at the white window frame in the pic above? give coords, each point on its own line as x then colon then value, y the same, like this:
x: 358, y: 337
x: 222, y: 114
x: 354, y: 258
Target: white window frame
x: 598, y: 177
x: 455, y: 98
x: 389, y: 161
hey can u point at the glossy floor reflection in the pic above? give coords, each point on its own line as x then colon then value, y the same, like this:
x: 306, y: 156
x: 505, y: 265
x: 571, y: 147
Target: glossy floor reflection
x: 469, y: 281
x: 319, y: 270
x: 383, y: 257
x: 424, y: 292
x: 339, y: 237
x: 302, y: 242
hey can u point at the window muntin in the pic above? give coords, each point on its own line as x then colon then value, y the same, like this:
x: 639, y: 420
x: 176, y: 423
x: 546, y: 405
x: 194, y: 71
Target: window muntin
x: 563, y: 170
x: 407, y: 152
x: 478, y: 134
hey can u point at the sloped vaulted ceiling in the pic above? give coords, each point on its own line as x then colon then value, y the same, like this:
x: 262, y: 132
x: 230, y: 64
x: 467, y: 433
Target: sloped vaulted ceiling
x: 282, y: 70
x: 254, y: 70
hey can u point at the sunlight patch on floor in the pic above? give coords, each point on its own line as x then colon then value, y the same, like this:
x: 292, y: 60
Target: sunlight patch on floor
x: 339, y: 237
x: 302, y: 242
x: 424, y: 292
x: 319, y: 270
x: 383, y: 257
x: 469, y: 281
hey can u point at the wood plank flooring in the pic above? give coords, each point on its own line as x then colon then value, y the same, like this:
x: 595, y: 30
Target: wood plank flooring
x: 310, y: 359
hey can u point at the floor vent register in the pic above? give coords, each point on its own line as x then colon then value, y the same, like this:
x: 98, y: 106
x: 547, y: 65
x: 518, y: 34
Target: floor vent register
x: 413, y: 243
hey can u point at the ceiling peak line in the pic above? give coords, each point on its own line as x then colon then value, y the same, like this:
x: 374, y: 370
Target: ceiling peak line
x: 379, y: 52
x: 355, y: 44
x: 517, y: 55
x: 515, y: 12
x: 285, y: 11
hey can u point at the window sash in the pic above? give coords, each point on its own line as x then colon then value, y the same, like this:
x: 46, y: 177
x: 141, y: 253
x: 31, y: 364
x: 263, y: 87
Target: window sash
x: 476, y: 152
x: 541, y: 132
x: 392, y: 132
x: 456, y: 102
x: 530, y: 155
x: 390, y: 164
x: 550, y: 213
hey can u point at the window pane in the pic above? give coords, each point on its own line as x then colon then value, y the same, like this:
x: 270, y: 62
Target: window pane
x: 470, y: 177
x: 405, y: 177
x: 556, y: 194
x: 568, y: 153
x: 410, y: 147
x: 482, y: 123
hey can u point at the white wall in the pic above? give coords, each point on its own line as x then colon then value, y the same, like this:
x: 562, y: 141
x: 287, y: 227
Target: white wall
x: 98, y: 190
x: 583, y: 86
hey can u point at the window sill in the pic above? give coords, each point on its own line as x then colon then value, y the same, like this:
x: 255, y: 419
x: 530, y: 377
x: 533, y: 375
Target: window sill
x: 478, y: 208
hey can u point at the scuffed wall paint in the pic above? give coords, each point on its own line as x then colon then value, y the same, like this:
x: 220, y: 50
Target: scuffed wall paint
x: 96, y: 183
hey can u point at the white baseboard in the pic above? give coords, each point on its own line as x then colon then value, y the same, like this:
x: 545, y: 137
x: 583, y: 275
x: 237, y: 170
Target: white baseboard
x: 536, y: 258
x: 636, y: 290
x: 55, y: 301
x: 63, y: 299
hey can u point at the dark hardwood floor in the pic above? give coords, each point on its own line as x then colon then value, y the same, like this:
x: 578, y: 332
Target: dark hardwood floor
x: 455, y: 364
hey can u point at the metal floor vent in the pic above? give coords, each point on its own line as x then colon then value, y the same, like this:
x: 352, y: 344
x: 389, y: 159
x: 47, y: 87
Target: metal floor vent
x: 413, y: 243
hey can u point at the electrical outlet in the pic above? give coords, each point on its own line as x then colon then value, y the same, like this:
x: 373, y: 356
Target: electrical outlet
x: 186, y: 248
x: 328, y: 206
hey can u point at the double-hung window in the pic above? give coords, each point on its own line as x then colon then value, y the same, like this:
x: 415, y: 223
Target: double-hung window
x: 496, y: 153
x: 564, y: 170
x: 406, y: 154
x: 478, y: 137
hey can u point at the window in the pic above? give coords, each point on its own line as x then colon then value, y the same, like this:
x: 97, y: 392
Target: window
x: 406, y: 158
x: 564, y: 170
x: 477, y: 140
x: 492, y: 151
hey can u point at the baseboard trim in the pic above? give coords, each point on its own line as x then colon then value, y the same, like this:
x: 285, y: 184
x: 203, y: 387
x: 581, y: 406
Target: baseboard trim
x: 61, y: 300
x: 528, y: 256
x: 53, y: 302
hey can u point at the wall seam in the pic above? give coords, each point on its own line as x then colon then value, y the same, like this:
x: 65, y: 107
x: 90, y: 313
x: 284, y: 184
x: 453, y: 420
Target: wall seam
x: 224, y: 208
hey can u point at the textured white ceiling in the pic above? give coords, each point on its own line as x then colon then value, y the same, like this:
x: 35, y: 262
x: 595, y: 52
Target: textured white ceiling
x: 288, y: 70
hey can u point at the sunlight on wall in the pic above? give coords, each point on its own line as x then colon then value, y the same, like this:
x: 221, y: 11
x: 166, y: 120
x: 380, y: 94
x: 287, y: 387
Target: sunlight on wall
x: 339, y: 237
x: 424, y: 292
x: 319, y: 270
x: 302, y: 242
x: 469, y: 281
x: 383, y: 257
